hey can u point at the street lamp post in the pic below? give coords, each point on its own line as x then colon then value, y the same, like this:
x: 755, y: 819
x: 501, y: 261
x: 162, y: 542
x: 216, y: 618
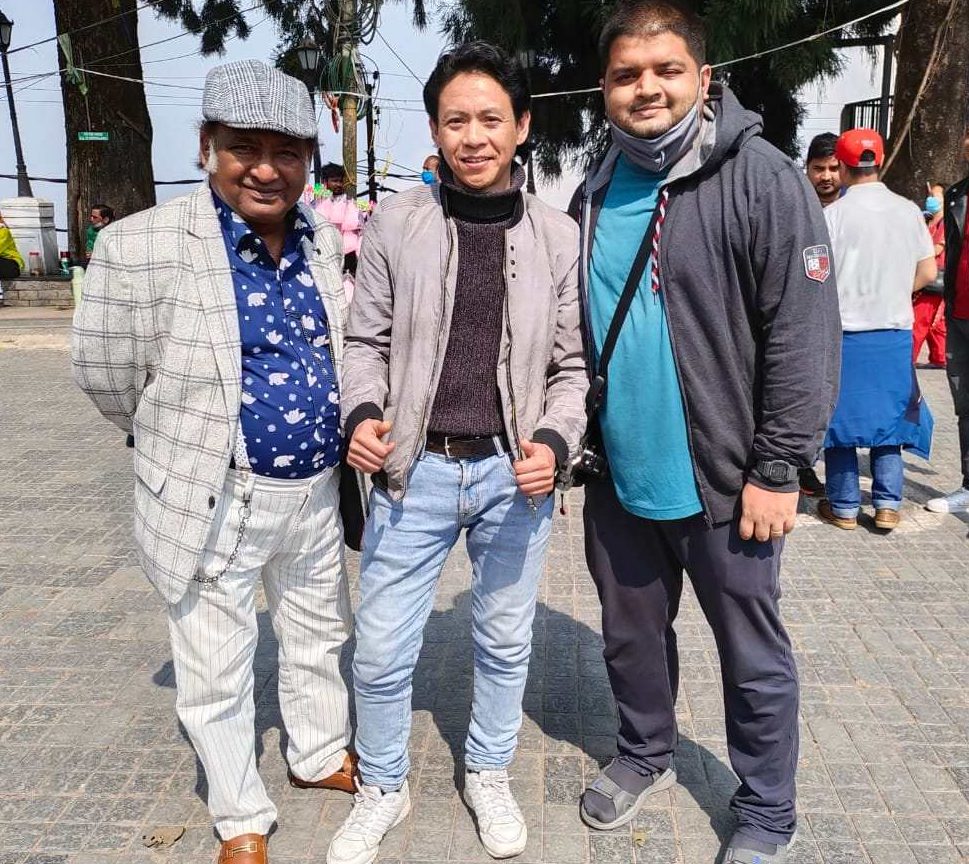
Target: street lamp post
x: 23, y: 181
x: 308, y: 55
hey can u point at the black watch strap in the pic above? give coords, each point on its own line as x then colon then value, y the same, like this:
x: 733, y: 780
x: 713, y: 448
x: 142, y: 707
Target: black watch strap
x: 776, y: 471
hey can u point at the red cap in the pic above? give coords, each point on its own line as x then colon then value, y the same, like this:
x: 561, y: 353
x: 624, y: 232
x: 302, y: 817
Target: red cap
x: 851, y: 146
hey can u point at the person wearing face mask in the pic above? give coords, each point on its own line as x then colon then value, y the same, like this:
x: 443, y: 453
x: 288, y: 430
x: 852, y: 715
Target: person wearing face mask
x: 927, y: 304
x: 721, y: 381
x: 429, y: 170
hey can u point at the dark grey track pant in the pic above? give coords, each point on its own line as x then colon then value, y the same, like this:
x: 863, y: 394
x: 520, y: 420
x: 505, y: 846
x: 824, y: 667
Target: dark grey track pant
x: 957, y: 368
x: 638, y: 565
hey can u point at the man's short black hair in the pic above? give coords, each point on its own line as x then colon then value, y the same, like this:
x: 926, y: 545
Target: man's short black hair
x: 487, y: 59
x: 857, y: 173
x: 651, y: 18
x: 105, y: 211
x: 821, y: 146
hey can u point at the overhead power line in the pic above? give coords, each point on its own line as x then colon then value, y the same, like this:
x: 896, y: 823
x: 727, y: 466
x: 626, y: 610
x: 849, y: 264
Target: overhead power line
x: 403, y: 62
x: 80, y: 29
x: 814, y: 37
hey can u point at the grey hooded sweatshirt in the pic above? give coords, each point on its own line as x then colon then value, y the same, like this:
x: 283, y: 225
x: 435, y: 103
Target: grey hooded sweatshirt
x: 751, y: 302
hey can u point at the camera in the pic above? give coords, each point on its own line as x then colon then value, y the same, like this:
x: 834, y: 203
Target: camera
x: 589, y: 465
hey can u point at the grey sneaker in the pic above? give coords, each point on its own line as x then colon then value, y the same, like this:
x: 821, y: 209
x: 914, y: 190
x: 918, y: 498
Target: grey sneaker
x: 744, y: 850
x: 619, y: 804
x: 954, y: 502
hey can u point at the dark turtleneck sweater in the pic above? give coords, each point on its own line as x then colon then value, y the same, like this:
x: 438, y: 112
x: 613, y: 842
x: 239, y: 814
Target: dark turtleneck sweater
x: 467, y: 401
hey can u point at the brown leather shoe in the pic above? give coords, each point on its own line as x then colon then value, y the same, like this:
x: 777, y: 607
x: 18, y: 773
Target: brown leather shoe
x: 343, y: 780
x: 244, y: 849
x: 826, y: 514
x: 887, y: 519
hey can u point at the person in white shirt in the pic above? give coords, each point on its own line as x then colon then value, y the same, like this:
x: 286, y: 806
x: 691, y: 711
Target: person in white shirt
x: 883, y: 253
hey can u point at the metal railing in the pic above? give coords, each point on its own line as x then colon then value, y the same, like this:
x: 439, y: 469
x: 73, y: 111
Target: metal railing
x: 867, y: 115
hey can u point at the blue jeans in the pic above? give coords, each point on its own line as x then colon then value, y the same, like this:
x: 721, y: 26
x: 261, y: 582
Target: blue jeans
x: 404, y: 548
x: 841, y: 479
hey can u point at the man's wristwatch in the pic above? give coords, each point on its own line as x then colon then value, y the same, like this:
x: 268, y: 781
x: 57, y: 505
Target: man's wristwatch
x: 776, y: 472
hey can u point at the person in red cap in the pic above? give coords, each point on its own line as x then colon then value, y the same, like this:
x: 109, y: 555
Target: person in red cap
x: 883, y: 253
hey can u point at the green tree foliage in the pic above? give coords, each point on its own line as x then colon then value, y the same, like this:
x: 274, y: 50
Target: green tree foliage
x: 561, y: 38
x: 216, y: 21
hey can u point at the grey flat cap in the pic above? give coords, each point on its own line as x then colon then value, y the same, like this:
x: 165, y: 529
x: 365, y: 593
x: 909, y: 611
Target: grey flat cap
x: 249, y: 94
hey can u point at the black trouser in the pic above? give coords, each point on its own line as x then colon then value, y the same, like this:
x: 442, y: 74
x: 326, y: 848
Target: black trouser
x: 9, y: 269
x: 638, y: 565
x: 957, y: 368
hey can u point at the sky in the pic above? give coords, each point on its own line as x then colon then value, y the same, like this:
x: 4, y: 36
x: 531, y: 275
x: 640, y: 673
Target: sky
x: 402, y: 136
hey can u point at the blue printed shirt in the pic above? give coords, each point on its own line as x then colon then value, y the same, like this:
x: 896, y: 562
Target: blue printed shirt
x: 290, y: 412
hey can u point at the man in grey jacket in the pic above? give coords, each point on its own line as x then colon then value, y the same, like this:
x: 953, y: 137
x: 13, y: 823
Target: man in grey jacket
x: 719, y: 389
x: 464, y: 395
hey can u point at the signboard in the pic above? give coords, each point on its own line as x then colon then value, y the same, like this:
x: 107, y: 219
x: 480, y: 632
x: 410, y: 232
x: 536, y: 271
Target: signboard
x: 93, y: 136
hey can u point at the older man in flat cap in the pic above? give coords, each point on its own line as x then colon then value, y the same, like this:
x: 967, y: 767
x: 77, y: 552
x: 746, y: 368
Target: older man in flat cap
x: 212, y: 329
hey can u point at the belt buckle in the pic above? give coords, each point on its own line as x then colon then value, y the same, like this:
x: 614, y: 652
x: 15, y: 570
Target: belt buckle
x: 447, y: 446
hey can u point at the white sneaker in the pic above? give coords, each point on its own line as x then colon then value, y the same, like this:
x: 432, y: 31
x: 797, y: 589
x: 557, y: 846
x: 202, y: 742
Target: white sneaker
x: 954, y: 502
x: 501, y: 825
x: 374, y: 814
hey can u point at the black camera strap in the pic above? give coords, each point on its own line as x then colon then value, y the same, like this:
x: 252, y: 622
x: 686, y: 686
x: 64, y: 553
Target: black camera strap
x: 597, y: 390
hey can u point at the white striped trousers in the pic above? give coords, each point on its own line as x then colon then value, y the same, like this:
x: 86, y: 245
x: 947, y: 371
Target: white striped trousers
x: 294, y: 542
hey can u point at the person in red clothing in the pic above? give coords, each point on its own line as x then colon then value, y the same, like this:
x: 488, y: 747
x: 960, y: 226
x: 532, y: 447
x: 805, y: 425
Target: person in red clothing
x: 928, y: 304
x: 957, y: 328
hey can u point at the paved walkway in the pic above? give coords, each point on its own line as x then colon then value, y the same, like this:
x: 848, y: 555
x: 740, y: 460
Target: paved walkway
x: 91, y: 756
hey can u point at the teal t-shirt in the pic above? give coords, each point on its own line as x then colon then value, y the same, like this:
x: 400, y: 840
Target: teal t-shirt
x: 643, y: 422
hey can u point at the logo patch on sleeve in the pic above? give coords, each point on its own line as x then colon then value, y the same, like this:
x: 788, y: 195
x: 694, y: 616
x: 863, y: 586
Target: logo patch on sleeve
x: 817, y: 263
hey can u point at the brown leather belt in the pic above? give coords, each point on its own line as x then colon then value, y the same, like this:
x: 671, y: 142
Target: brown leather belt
x: 466, y: 446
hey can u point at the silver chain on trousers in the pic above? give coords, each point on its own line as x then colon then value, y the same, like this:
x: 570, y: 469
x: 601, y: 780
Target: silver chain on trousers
x: 245, y: 511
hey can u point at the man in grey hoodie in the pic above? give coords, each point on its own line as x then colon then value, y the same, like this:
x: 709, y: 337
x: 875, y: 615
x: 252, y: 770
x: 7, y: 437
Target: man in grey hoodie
x: 719, y: 389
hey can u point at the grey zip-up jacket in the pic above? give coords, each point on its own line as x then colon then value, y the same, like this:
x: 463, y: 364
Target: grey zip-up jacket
x: 400, y: 319
x: 751, y: 302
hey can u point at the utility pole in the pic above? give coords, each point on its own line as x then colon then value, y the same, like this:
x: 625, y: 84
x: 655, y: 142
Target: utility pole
x: 350, y: 104
x: 371, y: 157
x: 23, y: 181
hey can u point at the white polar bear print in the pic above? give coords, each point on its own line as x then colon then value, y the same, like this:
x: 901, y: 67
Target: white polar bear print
x: 304, y: 278
x: 308, y: 323
x: 294, y: 416
x: 248, y: 256
x: 320, y: 341
x: 285, y: 264
x: 257, y: 299
x: 334, y: 397
x: 274, y: 337
x: 248, y: 398
x: 277, y: 378
x: 311, y: 379
x: 283, y: 461
x: 287, y: 302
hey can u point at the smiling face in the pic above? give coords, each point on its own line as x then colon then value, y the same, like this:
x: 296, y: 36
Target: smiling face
x: 260, y: 175
x: 651, y: 83
x: 477, y: 132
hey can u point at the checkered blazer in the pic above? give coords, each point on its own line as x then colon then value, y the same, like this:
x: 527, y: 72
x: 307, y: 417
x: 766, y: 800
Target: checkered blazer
x: 156, y: 346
